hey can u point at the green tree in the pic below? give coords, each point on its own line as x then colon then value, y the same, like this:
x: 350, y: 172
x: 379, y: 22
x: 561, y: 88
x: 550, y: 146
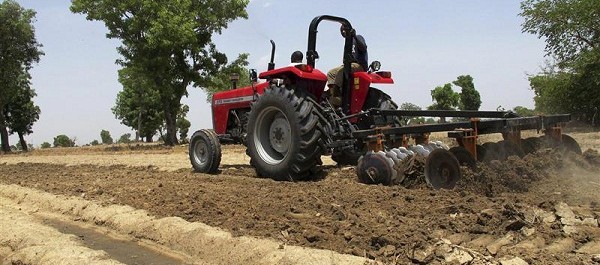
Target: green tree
x: 551, y: 91
x: 63, y: 141
x: 523, y: 111
x: 469, y: 96
x: 125, y: 138
x: 411, y: 106
x: 571, y: 29
x: 221, y: 81
x: 19, y: 50
x: 45, y: 145
x: 444, y: 99
x: 183, y: 125
x: 21, y: 113
x: 169, y: 40
x: 94, y: 143
x: 136, y: 106
x: 105, y: 137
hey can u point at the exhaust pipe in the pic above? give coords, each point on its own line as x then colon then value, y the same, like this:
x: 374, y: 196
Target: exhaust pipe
x: 271, y: 63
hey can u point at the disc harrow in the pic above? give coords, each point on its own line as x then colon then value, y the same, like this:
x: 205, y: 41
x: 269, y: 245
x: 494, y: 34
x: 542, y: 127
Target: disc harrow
x: 439, y: 164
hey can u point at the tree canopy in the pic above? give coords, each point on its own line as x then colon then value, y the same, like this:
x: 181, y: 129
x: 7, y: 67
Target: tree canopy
x: 125, y: 138
x: 523, y: 111
x: 469, y: 96
x: 136, y: 106
x: 412, y: 120
x: 63, y: 141
x: 19, y: 50
x: 105, y: 137
x: 444, y: 98
x: 21, y: 113
x: 183, y: 124
x: 222, y: 80
x: 571, y: 29
x: 170, y: 41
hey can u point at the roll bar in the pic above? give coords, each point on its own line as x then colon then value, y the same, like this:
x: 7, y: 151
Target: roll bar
x: 312, y: 55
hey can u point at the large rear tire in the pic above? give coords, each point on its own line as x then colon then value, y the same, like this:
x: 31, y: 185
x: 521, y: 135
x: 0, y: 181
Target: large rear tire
x: 205, y: 151
x: 284, y: 135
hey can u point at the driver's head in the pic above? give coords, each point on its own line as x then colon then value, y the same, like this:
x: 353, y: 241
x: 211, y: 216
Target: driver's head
x: 297, y: 57
x: 346, y: 30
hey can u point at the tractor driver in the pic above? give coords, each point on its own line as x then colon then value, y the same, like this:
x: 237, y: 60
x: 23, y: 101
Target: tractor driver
x: 360, y: 62
x: 296, y: 58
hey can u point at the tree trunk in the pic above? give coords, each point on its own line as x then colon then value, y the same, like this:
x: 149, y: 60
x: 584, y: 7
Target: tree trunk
x: 3, y: 132
x: 23, y: 143
x: 138, y: 133
x: 171, y: 136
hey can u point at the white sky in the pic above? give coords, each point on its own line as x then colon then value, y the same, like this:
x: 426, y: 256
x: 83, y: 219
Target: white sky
x: 424, y: 43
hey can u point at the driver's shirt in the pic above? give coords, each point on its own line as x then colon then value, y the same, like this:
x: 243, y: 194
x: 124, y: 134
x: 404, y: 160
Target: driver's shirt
x: 359, y: 51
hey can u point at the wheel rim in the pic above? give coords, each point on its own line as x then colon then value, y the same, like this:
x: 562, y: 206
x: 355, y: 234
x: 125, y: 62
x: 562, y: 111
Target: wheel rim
x: 272, y: 135
x: 200, y: 152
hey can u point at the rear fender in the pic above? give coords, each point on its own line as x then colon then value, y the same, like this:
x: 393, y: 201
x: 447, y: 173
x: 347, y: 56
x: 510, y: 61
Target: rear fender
x: 360, y: 83
x: 289, y: 71
x: 311, y: 80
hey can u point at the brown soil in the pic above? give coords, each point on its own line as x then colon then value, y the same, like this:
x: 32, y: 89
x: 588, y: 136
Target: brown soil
x: 390, y: 224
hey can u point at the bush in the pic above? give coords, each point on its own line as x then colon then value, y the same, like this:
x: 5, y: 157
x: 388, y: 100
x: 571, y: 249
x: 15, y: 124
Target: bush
x: 125, y: 138
x: 105, y: 136
x: 45, y: 145
x: 63, y: 141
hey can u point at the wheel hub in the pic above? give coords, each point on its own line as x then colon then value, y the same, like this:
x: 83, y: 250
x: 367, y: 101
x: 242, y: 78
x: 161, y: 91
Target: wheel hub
x: 279, y: 134
x: 272, y: 135
x: 200, y: 150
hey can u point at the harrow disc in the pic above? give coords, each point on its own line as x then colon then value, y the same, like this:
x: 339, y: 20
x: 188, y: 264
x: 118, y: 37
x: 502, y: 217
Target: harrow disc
x: 463, y: 156
x: 480, y: 152
x: 442, y: 170
x: 530, y: 145
x: 492, y: 152
x: 510, y: 149
x: 376, y: 168
x: 569, y: 144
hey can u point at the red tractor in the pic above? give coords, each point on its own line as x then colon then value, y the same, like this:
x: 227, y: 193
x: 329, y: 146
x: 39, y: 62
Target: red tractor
x: 287, y: 123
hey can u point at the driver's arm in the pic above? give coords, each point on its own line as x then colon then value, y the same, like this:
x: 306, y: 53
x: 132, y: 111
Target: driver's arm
x: 361, y: 44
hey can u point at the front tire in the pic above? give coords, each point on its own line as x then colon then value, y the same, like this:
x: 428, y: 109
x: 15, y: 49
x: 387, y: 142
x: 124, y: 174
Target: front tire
x: 284, y: 135
x: 205, y: 151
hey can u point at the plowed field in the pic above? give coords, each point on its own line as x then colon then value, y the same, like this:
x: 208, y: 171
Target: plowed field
x: 540, y: 209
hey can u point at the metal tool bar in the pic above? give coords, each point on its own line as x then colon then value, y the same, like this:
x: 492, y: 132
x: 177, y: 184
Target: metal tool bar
x: 445, y: 113
x: 484, y: 126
